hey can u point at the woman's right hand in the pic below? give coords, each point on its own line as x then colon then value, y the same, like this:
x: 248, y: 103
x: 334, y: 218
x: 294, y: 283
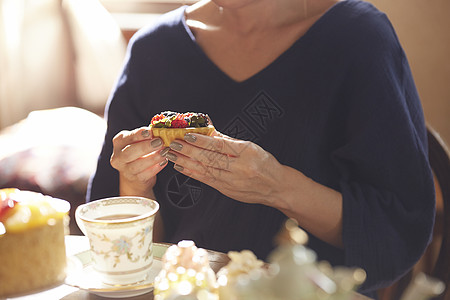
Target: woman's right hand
x: 137, y: 157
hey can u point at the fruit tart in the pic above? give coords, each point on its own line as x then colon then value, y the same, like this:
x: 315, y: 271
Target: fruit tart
x: 170, y: 125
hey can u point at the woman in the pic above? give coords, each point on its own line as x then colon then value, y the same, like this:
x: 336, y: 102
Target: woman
x: 318, y: 119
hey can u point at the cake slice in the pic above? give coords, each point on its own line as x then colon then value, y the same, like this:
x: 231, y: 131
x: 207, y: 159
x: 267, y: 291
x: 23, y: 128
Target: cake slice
x: 32, y: 248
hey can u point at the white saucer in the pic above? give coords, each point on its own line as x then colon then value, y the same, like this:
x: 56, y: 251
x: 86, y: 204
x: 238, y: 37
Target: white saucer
x: 81, y: 274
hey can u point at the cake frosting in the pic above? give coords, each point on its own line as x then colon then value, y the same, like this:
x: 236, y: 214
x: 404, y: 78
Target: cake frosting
x: 186, y: 274
x: 32, y: 229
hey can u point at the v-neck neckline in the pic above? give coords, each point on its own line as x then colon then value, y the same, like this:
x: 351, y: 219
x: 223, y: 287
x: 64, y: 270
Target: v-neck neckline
x: 226, y: 77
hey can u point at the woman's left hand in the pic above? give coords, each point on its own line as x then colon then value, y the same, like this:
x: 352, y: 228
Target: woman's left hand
x: 246, y: 172
x: 238, y: 169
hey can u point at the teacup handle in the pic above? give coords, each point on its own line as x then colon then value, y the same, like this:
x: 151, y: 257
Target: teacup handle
x: 78, y: 220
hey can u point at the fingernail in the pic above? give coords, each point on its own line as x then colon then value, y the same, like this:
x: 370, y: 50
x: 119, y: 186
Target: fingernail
x: 171, y: 156
x: 190, y: 138
x: 156, y: 143
x: 164, y: 151
x: 145, y: 133
x: 178, y: 168
x: 163, y: 163
x: 176, y: 146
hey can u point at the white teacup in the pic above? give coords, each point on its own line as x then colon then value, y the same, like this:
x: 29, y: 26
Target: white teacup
x: 120, y: 232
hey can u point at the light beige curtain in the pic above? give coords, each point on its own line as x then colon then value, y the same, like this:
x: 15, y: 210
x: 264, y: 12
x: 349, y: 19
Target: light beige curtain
x: 35, y: 60
x: 100, y: 49
x: 56, y: 53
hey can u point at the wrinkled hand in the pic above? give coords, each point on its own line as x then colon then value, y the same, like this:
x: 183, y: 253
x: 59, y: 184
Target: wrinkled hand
x: 239, y: 169
x: 137, y: 157
x: 245, y: 172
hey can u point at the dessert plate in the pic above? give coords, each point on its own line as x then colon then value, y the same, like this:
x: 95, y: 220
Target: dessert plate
x: 81, y: 274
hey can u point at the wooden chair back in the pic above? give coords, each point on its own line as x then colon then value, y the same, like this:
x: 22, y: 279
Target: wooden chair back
x: 436, y: 260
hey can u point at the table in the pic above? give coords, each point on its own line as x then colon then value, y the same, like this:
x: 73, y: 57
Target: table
x: 76, y: 244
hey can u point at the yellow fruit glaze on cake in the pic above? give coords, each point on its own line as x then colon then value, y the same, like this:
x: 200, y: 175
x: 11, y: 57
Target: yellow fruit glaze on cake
x: 32, y: 242
x: 168, y: 135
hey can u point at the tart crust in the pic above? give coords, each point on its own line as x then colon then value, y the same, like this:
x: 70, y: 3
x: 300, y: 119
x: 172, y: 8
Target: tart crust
x: 168, y: 135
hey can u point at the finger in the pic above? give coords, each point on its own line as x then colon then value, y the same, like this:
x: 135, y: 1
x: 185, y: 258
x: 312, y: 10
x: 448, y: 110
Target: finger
x: 139, y: 149
x: 197, y: 167
x: 143, y: 163
x: 217, y: 133
x: 207, y: 157
x: 134, y: 151
x: 148, y: 173
x: 208, y: 175
x: 126, y: 137
x: 217, y: 143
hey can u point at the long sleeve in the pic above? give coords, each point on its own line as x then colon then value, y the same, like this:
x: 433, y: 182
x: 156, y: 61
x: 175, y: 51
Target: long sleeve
x: 143, y: 81
x: 386, y: 181
x: 122, y: 113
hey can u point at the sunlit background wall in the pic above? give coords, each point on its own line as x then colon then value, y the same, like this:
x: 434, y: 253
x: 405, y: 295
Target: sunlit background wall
x: 56, y: 53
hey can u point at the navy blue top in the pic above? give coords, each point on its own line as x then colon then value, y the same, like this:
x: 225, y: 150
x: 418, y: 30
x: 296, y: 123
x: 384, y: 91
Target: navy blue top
x: 340, y: 106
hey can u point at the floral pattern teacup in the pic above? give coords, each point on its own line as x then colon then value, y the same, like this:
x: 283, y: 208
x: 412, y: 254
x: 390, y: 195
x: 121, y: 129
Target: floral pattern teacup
x: 120, y: 232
